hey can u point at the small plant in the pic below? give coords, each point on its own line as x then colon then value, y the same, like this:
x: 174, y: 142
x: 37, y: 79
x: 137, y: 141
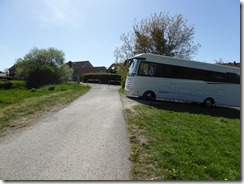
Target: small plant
x: 134, y: 155
x: 18, y: 84
x: 33, y: 89
x: 63, y: 89
x: 51, y: 88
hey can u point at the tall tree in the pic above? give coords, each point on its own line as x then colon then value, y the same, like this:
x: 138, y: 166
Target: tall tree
x: 159, y: 34
x: 43, y: 66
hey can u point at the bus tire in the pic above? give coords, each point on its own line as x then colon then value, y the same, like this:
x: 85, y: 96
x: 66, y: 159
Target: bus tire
x: 209, y: 102
x: 149, y: 95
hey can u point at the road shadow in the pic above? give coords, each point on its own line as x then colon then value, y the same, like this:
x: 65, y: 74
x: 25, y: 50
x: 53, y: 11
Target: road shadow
x: 193, y: 108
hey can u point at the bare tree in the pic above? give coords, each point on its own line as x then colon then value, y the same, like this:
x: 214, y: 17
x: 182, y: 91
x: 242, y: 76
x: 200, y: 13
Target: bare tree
x: 159, y: 34
x: 127, y: 48
x: 220, y: 61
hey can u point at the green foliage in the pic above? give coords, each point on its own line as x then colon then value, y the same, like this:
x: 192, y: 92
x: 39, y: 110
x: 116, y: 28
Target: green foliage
x: 42, y: 76
x: 51, y: 88
x: 41, y: 67
x: 65, y: 73
x: 122, y: 71
x: 33, y: 89
x: 14, y: 84
x: 171, y: 145
x: 18, y: 84
x: 5, y: 85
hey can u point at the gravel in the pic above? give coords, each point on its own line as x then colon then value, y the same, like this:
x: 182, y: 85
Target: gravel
x: 86, y: 140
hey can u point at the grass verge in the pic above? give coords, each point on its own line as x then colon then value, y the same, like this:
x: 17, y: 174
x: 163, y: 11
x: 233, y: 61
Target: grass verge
x: 17, y: 103
x: 169, y: 145
x: 122, y: 91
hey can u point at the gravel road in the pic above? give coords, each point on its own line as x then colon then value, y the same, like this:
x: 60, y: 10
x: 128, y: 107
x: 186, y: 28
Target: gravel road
x: 87, y: 140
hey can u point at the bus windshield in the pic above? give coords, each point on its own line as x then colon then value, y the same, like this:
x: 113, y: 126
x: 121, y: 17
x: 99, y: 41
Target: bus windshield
x: 133, y: 67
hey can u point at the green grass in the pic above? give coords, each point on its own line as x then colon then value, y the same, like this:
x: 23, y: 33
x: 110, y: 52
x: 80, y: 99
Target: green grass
x: 19, y: 102
x: 169, y: 145
x: 122, y: 91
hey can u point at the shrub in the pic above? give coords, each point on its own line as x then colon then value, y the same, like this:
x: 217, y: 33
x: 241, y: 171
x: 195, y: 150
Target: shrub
x: 42, y: 76
x: 14, y: 84
x: 123, y: 71
x: 18, y: 84
x: 41, y: 67
x: 51, y: 88
x: 33, y: 89
x: 5, y: 85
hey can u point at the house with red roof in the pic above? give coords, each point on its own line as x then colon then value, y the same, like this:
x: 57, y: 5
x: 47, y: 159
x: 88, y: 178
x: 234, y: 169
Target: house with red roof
x: 83, y: 67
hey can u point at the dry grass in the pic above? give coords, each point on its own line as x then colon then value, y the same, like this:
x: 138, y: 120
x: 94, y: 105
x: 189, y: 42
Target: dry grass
x: 19, y: 107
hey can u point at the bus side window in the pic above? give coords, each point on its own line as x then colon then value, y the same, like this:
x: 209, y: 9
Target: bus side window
x: 143, y: 69
x: 147, y: 69
x: 151, y: 71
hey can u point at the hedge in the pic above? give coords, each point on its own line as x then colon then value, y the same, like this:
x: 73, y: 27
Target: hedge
x: 14, y: 84
x: 103, y: 77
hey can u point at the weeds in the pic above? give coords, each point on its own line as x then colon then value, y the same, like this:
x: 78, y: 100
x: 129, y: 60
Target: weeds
x: 20, y: 102
x: 182, y: 146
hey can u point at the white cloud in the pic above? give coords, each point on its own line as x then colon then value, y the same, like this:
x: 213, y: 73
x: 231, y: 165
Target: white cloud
x: 53, y: 13
x: 58, y: 13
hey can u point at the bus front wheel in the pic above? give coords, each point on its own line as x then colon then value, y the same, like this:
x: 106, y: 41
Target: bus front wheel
x: 149, y: 95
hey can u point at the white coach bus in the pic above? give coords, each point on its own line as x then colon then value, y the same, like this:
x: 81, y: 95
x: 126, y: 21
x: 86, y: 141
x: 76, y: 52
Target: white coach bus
x: 154, y: 76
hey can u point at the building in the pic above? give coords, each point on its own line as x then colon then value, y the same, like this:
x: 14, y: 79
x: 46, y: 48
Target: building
x: 12, y: 71
x: 83, y: 67
x: 114, y: 67
x: 234, y: 64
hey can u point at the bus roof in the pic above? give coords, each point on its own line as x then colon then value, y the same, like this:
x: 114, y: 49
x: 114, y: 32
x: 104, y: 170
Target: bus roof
x: 187, y: 63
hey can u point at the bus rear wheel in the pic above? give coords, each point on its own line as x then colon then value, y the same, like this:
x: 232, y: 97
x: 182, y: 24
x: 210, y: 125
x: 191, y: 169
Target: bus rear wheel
x: 149, y: 95
x: 209, y: 102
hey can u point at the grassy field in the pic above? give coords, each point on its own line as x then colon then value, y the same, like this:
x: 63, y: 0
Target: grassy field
x: 19, y: 102
x: 180, y: 144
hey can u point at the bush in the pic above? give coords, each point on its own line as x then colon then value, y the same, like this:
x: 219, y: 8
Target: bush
x: 18, y: 84
x: 51, y: 88
x: 33, y: 89
x: 14, y: 84
x: 104, y: 78
x: 5, y: 85
x: 41, y: 67
x: 122, y: 71
x: 42, y: 76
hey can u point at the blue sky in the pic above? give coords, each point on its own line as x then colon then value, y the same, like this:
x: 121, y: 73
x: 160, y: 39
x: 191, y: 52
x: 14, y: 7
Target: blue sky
x: 91, y: 29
